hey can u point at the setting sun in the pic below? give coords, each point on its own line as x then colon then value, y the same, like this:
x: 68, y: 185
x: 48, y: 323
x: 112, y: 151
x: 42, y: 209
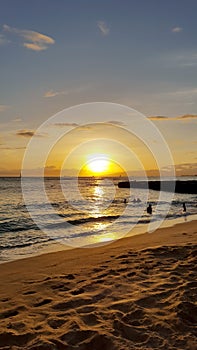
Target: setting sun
x: 98, y: 165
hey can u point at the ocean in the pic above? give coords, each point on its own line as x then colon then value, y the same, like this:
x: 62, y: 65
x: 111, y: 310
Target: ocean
x: 77, y: 214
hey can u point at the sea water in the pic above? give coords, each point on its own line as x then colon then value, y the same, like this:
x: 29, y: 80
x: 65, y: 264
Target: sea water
x: 93, y: 212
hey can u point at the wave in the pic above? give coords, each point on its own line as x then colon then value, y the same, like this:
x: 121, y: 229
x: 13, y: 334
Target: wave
x: 24, y: 244
x: 17, y: 226
x: 81, y: 221
x: 93, y: 219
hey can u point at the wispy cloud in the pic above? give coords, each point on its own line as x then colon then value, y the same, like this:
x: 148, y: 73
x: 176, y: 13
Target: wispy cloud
x: 29, y: 133
x: 115, y: 122
x: 3, y: 40
x: 6, y: 148
x: 182, y: 117
x: 182, y: 59
x: 25, y: 133
x: 159, y: 117
x: 61, y: 125
x: 31, y: 40
x: 17, y: 120
x: 187, y: 116
x: 177, y: 29
x: 188, y: 59
x: 52, y: 93
x: 75, y: 125
x: 187, y: 95
x: 184, y: 93
x: 183, y: 169
x: 103, y: 27
x: 3, y: 108
x: 188, y: 168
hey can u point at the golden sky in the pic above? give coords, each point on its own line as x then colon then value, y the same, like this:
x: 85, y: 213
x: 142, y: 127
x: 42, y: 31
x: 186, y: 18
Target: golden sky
x: 122, y: 150
x: 142, y: 55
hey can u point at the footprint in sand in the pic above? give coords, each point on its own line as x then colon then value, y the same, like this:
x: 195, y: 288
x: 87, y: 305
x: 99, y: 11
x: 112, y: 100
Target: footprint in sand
x: 29, y: 292
x: 43, y: 302
x: 78, y: 291
x: 12, y: 312
x: 18, y: 326
x: 70, y: 277
x: 9, y: 313
x: 15, y: 339
x: 56, y: 322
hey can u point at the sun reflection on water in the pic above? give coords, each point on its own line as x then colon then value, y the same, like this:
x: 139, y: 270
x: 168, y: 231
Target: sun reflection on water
x: 98, y: 192
x: 109, y: 237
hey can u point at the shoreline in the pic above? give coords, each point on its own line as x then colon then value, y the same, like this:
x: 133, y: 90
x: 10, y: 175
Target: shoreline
x: 139, y: 229
x: 139, y: 241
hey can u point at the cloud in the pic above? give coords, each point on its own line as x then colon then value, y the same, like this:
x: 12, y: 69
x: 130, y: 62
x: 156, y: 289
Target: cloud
x: 184, y: 59
x: 52, y: 93
x: 78, y: 126
x: 183, y: 169
x: 3, y: 108
x: 104, y: 29
x: 28, y: 133
x: 158, y: 117
x: 182, y: 93
x: 189, y: 61
x: 3, y: 40
x: 182, y: 117
x: 177, y: 30
x: 6, y: 148
x: 31, y: 40
x: 88, y: 127
x: 187, y: 116
x: 116, y: 122
x: 74, y: 90
x: 186, y: 167
x: 17, y: 120
x: 25, y: 133
x: 61, y: 125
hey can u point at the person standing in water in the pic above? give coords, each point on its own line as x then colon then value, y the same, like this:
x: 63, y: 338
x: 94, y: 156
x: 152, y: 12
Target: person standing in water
x: 149, y: 209
x: 184, y: 208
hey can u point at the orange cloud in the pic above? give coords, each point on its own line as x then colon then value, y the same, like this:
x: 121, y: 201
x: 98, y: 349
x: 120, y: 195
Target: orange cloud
x: 182, y: 117
x: 32, y: 40
x: 28, y: 133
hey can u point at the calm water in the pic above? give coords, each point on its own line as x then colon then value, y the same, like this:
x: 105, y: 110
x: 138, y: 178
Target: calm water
x: 93, y: 212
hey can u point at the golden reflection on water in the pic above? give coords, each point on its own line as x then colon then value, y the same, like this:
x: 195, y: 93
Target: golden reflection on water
x: 98, y: 192
x: 100, y: 226
x: 107, y: 238
x: 97, y: 207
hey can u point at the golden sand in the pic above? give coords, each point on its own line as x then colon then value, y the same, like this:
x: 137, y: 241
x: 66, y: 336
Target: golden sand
x: 137, y: 293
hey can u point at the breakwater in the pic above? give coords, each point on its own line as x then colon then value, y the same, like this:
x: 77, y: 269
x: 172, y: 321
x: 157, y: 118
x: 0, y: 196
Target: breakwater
x: 178, y: 186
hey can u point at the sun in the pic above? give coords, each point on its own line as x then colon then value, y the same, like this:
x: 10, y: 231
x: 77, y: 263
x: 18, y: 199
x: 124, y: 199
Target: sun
x: 98, y: 166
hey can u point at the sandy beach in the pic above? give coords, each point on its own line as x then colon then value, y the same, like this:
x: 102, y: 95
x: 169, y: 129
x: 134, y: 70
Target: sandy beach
x: 137, y: 293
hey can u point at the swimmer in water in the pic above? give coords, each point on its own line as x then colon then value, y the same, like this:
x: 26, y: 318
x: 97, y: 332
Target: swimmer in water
x: 149, y: 209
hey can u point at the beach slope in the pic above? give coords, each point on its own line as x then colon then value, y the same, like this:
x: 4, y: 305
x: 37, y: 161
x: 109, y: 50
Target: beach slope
x: 137, y: 293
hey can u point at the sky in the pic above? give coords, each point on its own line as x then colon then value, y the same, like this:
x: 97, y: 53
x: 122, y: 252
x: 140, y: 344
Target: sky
x: 56, y: 54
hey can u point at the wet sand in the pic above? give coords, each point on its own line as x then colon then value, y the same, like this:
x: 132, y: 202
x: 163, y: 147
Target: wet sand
x: 137, y: 293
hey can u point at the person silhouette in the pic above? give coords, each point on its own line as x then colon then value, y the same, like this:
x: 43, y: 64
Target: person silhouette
x: 184, y: 208
x: 149, y: 209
